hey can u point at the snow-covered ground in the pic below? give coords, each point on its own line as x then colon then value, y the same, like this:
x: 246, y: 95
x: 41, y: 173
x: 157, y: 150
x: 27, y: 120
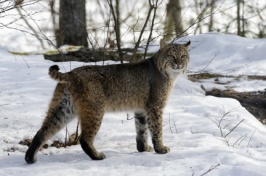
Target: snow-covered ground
x: 207, y: 135
x: 229, y: 55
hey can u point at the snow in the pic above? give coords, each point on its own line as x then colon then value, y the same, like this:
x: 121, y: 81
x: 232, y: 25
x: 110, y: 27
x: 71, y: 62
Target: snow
x: 228, y: 54
x: 239, y: 84
x: 203, y: 132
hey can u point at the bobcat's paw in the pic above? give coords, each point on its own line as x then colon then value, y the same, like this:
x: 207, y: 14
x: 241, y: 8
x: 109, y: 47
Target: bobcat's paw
x: 149, y: 149
x: 144, y: 148
x: 31, y: 154
x: 99, y: 156
x: 30, y: 159
x: 162, y: 150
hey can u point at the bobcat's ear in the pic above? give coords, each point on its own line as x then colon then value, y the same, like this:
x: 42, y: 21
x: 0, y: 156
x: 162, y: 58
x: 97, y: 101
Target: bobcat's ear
x: 162, y: 43
x: 187, y: 45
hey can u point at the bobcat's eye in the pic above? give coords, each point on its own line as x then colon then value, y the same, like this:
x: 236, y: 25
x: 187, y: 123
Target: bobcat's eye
x: 183, y: 57
x: 172, y: 56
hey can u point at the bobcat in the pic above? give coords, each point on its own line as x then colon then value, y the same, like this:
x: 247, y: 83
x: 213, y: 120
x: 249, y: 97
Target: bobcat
x: 89, y: 91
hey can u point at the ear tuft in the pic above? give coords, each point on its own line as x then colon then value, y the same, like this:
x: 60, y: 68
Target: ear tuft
x: 54, y: 67
x: 187, y: 45
x: 162, y: 43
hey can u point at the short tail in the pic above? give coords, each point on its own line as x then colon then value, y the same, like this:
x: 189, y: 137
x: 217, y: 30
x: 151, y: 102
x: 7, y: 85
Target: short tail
x: 58, y: 76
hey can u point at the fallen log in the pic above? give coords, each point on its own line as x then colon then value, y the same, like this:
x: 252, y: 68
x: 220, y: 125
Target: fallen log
x: 254, y: 102
x: 91, y: 55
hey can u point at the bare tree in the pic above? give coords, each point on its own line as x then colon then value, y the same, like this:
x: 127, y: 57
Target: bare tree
x: 9, y: 5
x: 241, y: 23
x: 19, y: 8
x: 200, y: 13
x: 116, y: 17
x: 211, y: 15
x: 238, y: 2
x: 173, y: 19
x: 72, y: 23
x: 132, y: 27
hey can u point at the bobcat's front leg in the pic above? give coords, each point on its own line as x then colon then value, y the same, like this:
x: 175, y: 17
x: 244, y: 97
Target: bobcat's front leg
x: 142, y: 133
x: 156, y: 128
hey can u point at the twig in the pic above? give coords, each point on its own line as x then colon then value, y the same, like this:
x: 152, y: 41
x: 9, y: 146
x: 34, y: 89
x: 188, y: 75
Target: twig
x: 199, y: 19
x: 221, y: 131
x: 28, y: 24
x: 227, y: 125
x: 225, y: 114
x: 207, y: 64
x: 40, y: 30
x: 206, y: 115
x: 141, y: 32
x: 175, y: 127
x: 66, y: 137
x: 170, y: 124
x: 53, y: 15
x: 117, y: 28
x: 222, y: 118
x: 251, y: 137
x: 13, y: 4
x: 25, y: 62
x: 240, y: 139
x: 211, y: 168
x: 77, y: 133
x: 234, y: 128
x: 152, y: 25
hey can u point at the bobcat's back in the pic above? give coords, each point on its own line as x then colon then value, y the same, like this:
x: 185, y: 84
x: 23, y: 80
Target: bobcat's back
x: 128, y: 86
x: 120, y: 87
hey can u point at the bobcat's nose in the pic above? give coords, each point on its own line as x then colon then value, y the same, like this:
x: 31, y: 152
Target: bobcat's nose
x: 179, y: 64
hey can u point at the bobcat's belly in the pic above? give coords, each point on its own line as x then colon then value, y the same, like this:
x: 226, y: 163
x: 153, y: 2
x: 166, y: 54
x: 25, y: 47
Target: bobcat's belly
x: 135, y: 104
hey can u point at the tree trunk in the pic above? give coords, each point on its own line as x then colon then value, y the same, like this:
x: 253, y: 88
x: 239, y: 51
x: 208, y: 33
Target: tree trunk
x: 174, y: 19
x: 72, y: 23
x: 200, y: 14
x: 211, y: 15
x: 238, y: 19
x: 243, y: 33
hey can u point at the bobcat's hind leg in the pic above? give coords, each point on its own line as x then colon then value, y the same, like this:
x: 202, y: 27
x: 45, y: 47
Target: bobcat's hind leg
x: 142, y: 133
x: 61, y: 111
x: 91, y: 119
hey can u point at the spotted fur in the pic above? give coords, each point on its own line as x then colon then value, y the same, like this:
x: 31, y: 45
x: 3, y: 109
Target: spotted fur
x: 90, y: 91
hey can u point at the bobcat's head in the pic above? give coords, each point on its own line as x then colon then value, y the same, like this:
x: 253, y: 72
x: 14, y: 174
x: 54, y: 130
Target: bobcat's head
x: 173, y: 59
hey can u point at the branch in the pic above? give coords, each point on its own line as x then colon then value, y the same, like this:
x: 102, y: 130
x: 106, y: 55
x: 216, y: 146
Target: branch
x: 211, y: 168
x: 240, y: 139
x: 10, y: 5
x: 152, y: 25
x: 141, y: 32
x: 234, y: 128
x: 28, y: 24
x: 251, y: 137
x: 199, y: 19
x: 117, y: 28
x: 77, y: 133
x: 170, y: 124
x: 225, y: 114
x: 207, y: 64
